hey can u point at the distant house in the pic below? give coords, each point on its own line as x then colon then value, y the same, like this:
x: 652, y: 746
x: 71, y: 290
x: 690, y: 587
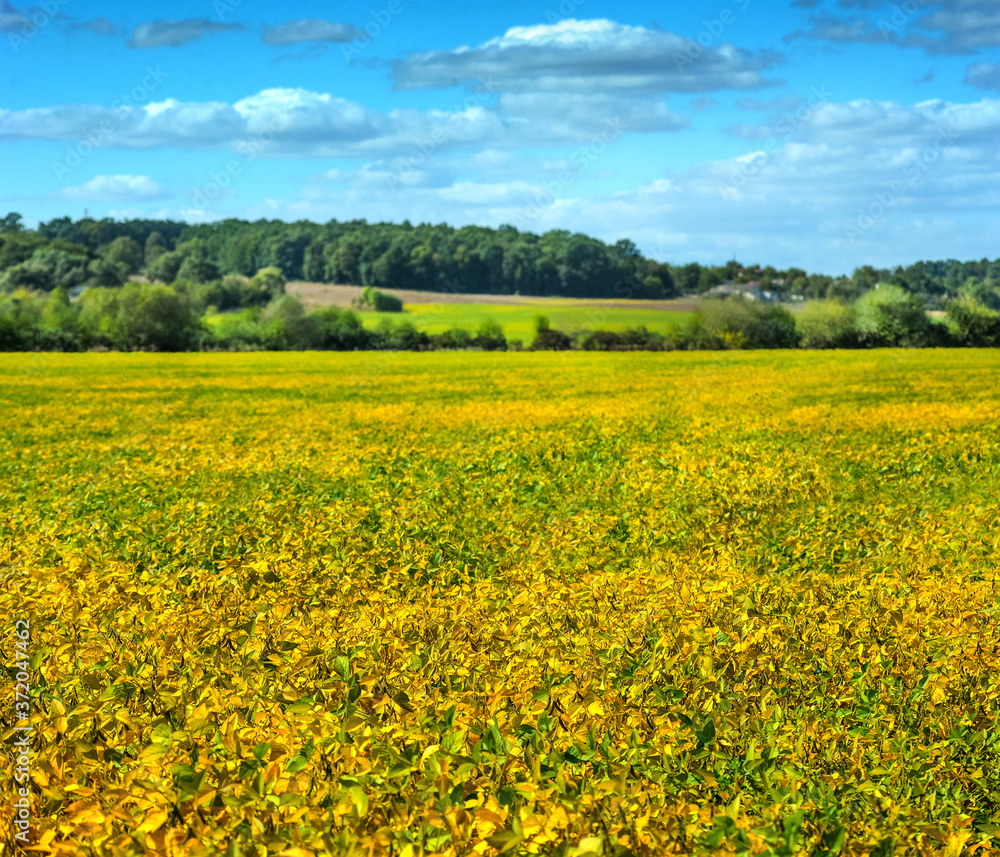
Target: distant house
x: 751, y: 291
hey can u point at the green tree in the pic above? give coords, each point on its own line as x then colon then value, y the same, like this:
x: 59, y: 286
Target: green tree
x: 152, y: 316
x: 826, y: 324
x: 125, y: 252
x: 707, y: 279
x: 59, y: 315
x: 105, y: 273
x: 198, y: 269
x: 11, y: 222
x: 972, y: 324
x: 166, y: 266
x: 888, y: 316
x: 154, y: 248
x: 268, y: 282
x: 286, y: 325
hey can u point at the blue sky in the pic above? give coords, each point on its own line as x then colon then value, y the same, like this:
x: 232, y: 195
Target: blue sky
x: 820, y: 133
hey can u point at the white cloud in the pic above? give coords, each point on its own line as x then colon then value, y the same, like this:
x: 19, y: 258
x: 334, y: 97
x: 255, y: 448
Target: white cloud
x: 579, y: 56
x: 120, y: 188
x: 309, y: 30
x: 301, y: 123
x: 885, y: 123
x: 985, y: 75
x: 827, y: 27
x: 173, y: 34
x: 866, y: 182
x: 937, y: 26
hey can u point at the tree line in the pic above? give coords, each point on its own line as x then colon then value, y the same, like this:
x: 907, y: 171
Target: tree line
x: 69, y: 286
x: 435, y: 258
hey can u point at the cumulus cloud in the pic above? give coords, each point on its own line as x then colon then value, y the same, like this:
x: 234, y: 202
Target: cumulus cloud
x: 985, y: 75
x: 915, y: 192
x: 309, y: 30
x: 120, y: 188
x: 566, y: 115
x: 173, y: 34
x: 958, y: 27
x: 886, y: 123
x: 937, y: 26
x: 800, y: 204
x: 301, y: 123
x: 579, y: 56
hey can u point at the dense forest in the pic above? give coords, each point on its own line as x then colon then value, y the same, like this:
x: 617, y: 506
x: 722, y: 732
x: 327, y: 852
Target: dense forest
x: 436, y: 258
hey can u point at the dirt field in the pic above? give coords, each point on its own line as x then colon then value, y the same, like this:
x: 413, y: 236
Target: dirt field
x: 323, y: 294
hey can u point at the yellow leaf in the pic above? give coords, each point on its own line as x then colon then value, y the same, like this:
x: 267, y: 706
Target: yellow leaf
x: 154, y: 820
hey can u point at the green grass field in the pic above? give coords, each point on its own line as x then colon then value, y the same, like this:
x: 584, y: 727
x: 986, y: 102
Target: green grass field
x: 518, y: 322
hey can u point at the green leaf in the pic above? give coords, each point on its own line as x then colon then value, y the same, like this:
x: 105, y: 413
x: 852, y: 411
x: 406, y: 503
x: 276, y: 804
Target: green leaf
x: 505, y: 841
x: 297, y: 764
x: 342, y: 666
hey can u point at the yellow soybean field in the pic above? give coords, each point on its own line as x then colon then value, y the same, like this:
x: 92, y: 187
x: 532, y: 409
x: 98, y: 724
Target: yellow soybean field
x: 528, y: 603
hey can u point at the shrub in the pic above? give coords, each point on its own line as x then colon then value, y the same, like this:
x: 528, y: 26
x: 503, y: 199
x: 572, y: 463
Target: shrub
x: 548, y: 339
x: 490, y: 337
x: 240, y: 332
x: 268, y: 283
x: 372, y: 300
x: 826, y: 324
x: 888, y: 316
x: 403, y: 337
x: 286, y: 326
x: 634, y: 339
x: 20, y: 320
x: 341, y: 330
x: 151, y: 316
x: 452, y: 340
x: 59, y: 314
x: 739, y: 323
x: 972, y: 324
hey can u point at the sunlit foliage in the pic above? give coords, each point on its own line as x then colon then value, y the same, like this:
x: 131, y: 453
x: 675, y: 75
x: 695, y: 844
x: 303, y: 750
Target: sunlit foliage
x: 469, y: 603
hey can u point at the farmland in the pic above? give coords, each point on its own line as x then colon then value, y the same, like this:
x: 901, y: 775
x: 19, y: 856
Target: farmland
x: 471, y: 603
x: 436, y: 313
